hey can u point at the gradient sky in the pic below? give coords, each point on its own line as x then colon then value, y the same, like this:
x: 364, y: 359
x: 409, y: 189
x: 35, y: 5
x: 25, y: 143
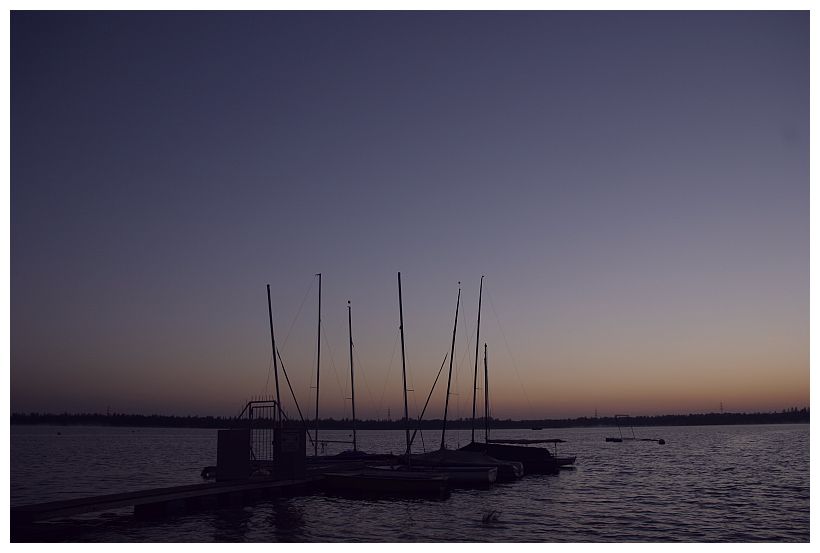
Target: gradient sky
x: 633, y: 185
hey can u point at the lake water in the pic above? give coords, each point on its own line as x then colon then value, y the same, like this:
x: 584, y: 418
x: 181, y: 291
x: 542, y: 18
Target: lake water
x: 706, y: 484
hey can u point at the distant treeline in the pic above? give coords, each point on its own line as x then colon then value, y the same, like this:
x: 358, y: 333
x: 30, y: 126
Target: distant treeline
x: 787, y: 416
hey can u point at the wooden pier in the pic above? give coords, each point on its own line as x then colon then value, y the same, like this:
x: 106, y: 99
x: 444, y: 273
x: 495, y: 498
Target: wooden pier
x: 162, y: 501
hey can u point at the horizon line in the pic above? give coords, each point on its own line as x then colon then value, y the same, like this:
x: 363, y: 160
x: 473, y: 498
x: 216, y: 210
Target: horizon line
x: 792, y: 409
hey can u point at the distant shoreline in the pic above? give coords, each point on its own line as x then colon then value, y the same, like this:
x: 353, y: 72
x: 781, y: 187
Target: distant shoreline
x: 787, y: 416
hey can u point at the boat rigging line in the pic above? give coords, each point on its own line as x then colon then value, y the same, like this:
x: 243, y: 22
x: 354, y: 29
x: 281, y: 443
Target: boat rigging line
x: 459, y: 368
x: 428, y: 399
x: 275, y: 368
x: 302, y: 418
x: 387, y: 376
x: 299, y: 312
x: 486, y: 398
x: 282, y: 345
x: 509, y: 351
x: 333, y: 366
x: 352, y: 387
x: 449, y: 374
x: 412, y: 390
x: 404, y: 374
x: 362, y: 376
x: 267, y: 376
x: 475, y: 369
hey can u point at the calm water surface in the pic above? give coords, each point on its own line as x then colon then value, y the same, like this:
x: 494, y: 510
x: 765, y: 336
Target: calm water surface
x: 724, y: 483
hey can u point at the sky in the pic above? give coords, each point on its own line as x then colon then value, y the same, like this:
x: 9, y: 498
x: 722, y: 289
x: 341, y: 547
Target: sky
x: 634, y: 186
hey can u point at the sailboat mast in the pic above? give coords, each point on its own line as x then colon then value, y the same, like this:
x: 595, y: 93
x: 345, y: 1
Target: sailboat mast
x: 404, y: 375
x: 352, y: 386
x: 318, y: 352
x: 486, y: 399
x: 275, y: 364
x: 450, y: 374
x: 475, y: 369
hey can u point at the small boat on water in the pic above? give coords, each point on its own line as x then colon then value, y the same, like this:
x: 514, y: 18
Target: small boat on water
x: 381, y: 482
x: 535, y: 460
x: 529, y: 459
x: 659, y: 441
x: 532, y: 459
x: 564, y: 461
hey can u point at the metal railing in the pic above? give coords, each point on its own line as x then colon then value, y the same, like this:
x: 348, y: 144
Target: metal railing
x: 262, y: 418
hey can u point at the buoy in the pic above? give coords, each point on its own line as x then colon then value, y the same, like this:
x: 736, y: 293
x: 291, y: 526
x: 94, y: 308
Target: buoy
x: 661, y: 441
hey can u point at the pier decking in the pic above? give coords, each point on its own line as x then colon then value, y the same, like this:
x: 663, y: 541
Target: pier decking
x: 156, y: 502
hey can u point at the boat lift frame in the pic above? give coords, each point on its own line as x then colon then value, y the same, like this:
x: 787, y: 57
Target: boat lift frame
x: 621, y: 438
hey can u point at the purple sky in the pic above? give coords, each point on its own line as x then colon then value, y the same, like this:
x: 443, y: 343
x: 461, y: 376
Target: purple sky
x: 633, y: 185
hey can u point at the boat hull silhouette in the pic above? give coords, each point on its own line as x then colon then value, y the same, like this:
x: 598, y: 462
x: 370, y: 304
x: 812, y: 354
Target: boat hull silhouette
x: 444, y: 458
x: 535, y: 460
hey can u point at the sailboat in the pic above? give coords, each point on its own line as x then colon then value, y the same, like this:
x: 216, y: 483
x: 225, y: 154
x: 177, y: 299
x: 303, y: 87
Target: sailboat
x: 391, y: 479
x: 463, y: 471
x: 316, y: 457
x: 355, y: 454
x: 463, y: 466
x: 561, y: 461
x: 346, y: 457
x: 533, y: 459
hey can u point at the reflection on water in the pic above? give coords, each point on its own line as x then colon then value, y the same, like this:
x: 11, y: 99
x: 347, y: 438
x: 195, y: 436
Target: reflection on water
x: 231, y: 525
x: 726, y: 483
x: 285, y: 519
